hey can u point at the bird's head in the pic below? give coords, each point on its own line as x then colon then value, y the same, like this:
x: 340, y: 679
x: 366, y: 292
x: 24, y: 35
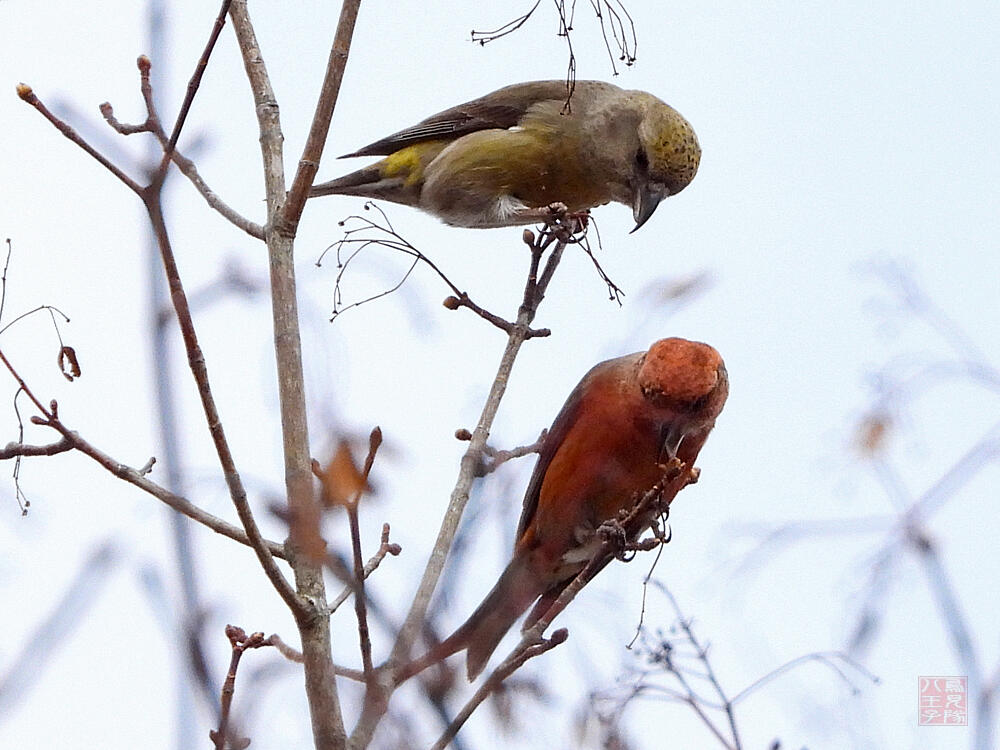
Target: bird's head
x: 666, y: 159
x: 688, y: 381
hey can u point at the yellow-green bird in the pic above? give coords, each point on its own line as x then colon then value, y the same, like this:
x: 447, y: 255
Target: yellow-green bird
x: 505, y: 158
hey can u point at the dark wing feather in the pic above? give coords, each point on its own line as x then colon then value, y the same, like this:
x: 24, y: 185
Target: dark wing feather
x: 502, y: 109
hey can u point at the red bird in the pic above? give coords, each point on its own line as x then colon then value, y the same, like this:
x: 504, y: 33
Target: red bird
x: 625, y: 419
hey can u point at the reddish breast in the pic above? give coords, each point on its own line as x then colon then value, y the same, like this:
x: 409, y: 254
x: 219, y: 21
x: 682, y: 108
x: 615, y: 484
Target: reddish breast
x: 607, y: 455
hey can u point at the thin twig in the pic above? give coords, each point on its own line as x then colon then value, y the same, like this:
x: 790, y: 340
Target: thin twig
x: 565, y: 31
x: 3, y: 278
x: 360, y: 602
x: 917, y: 301
x: 24, y: 91
x: 381, y: 233
x: 667, y: 652
x: 664, y: 538
x: 702, y: 654
x: 199, y: 370
x: 484, y: 37
x: 192, y: 89
x: 284, y: 649
x: 296, y: 656
x: 920, y: 543
x: 150, y: 196
x: 827, y: 658
x: 501, y: 673
x: 189, y: 170
x: 20, y: 449
x: 959, y: 473
x: 224, y: 737
x: 534, y: 292
x: 385, y: 548
x: 187, y: 167
x: 319, y: 128
x: 625, y: 40
x: 463, y: 300
x: 50, y: 309
x: 499, y: 457
x: 132, y: 476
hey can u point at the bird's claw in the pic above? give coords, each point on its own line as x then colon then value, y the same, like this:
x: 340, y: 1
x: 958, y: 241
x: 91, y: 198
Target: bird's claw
x: 612, y: 533
x: 557, y: 211
x: 571, y: 222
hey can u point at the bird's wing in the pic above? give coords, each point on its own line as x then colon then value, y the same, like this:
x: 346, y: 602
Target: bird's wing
x: 564, y: 421
x: 501, y: 109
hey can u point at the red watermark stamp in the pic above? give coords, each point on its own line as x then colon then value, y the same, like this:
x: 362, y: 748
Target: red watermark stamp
x: 943, y: 701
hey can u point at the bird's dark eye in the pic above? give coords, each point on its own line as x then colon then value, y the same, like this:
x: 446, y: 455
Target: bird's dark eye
x: 641, y: 160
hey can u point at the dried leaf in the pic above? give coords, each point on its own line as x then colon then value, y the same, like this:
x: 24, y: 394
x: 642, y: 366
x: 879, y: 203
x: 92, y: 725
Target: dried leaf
x: 68, y: 363
x: 342, y: 480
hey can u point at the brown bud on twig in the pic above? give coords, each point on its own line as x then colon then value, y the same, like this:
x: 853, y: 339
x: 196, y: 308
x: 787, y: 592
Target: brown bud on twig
x: 463, y: 434
x: 452, y: 303
x: 374, y: 439
x: 559, y: 636
x: 528, y: 237
x: 235, y: 634
x: 24, y: 91
x: 143, y: 63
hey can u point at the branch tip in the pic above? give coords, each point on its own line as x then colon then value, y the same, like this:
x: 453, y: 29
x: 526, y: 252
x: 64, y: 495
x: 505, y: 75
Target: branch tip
x: 374, y: 440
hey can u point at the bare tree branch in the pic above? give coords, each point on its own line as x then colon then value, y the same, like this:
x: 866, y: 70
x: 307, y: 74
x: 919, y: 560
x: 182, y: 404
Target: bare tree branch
x: 283, y: 212
x: 316, y: 141
x: 501, y: 673
x: 25, y: 92
x: 150, y: 196
x: 12, y: 450
x: 51, y: 419
x: 385, y: 548
x: 225, y: 736
x: 187, y: 167
x: 192, y: 90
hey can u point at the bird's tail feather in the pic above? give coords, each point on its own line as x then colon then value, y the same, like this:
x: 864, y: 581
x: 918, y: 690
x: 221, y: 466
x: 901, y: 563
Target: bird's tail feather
x: 366, y: 182
x: 517, y: 588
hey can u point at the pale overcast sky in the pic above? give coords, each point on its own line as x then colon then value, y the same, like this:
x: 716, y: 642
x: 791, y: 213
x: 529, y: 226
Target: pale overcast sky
x: 835, y: 137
